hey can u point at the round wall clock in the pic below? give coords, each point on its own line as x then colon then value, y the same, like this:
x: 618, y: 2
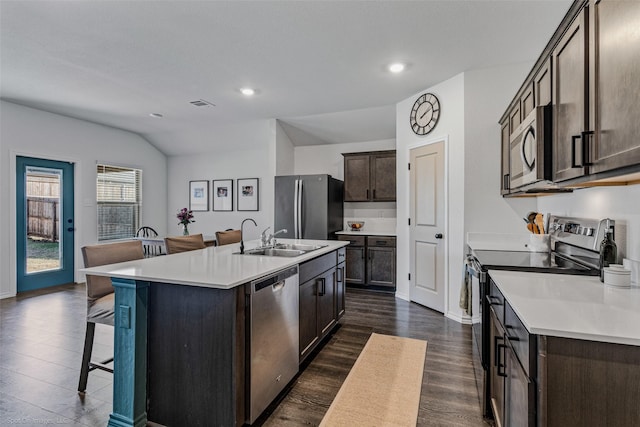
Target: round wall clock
x: 425, y: 114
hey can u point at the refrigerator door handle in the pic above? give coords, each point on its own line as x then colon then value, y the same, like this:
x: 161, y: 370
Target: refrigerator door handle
x: 300, y: 192
x: 295, y: 210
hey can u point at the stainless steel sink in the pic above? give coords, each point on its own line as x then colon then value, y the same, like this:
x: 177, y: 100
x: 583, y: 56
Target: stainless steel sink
x: 284, y: 250
x: 299, y: 247
x: 275, y: 252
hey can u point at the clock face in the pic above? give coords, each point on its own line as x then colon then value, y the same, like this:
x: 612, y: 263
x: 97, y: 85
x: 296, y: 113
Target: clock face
x: 425, y: 114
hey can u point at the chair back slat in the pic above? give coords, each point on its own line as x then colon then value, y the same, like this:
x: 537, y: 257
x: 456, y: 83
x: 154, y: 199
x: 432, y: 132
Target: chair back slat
x: 179, y: 244
x: 228, y: 237
x: 108, y: 253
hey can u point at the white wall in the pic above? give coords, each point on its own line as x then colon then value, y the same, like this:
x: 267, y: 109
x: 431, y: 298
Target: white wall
x: 284, y: 152
x: 451, y: 127
x: 35, y: 133
x: 258, y: 162
x: 318, y: 159
x: 619, y: 203
x: 472, y: 104
x: 487, y: 93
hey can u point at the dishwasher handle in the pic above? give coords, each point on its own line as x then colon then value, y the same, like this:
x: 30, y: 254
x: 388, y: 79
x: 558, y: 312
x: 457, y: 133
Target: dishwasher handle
x: 275, y: 281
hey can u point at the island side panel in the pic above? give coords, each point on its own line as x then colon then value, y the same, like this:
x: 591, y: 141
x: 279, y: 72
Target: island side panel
x: 590, y: 383
x: 196, y: 355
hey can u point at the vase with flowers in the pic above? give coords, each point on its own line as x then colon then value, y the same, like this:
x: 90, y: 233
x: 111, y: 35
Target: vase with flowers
x: 185, y: 217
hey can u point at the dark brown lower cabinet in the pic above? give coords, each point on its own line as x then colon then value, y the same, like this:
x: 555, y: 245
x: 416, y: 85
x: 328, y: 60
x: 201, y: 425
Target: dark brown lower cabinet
x: 340, y: 289
x: 547, y: 381
x: 381, y: 266
x: 326, y: 294
x: 371, y: 261
x: 321, y: 298
x: 519, y: 409
x: 308, y: 317
x: 496, y: 369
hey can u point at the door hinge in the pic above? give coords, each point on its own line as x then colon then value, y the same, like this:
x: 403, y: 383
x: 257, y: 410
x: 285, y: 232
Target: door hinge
x: 409, y: 276
x: 409, y: 221
x: 409, y: 166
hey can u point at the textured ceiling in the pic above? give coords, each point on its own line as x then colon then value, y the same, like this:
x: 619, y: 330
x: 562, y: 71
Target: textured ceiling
x: 319, y: 66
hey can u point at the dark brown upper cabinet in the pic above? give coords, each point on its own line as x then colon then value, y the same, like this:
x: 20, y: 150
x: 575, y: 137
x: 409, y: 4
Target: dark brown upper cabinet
x: 569, y: 107
x: 370, y: 176
x: 615, y: 66
x: 590, y: 74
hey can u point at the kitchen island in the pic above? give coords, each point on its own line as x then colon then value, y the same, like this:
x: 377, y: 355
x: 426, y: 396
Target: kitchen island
x: 181, y: 324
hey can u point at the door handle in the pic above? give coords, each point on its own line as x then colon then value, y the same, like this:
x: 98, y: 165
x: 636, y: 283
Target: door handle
x: 438, y: 235
x: 585, y: 148
x: 322, y: 281
x: 71, y: 229
x: 574, y: 139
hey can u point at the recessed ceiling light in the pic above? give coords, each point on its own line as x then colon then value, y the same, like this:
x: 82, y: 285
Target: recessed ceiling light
x: 247, y: 91
x: 156, y: 115
x: 396, y: 67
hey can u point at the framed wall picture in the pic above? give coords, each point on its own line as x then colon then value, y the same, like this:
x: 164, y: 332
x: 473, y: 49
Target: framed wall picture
x: 222, y: 194
x: 248, y: 194
x: 199, y: 195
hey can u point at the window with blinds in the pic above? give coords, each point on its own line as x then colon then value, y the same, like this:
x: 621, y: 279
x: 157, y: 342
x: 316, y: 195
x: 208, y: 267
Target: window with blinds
x: 119, y: 201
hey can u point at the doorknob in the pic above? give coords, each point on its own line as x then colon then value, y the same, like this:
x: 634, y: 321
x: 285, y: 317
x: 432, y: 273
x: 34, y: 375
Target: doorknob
x: 438, y: 235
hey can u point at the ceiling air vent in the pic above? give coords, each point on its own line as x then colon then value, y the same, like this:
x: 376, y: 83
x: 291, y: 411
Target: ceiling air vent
x: 202, y: 103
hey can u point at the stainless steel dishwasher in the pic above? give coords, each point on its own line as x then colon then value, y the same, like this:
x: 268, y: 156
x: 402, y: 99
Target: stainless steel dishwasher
x: 273, y: 338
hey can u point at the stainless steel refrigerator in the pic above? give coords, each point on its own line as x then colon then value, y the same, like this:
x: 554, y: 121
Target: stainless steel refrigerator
x: 309, y: 206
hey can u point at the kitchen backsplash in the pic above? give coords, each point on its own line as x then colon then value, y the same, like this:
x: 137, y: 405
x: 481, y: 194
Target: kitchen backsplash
x: 378, y: 225
x: 377, y: 216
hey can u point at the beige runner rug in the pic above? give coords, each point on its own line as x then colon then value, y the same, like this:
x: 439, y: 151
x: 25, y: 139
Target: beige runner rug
x: 383, y: 387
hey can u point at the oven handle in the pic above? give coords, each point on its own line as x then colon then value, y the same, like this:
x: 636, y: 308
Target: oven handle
x: 474, y: 268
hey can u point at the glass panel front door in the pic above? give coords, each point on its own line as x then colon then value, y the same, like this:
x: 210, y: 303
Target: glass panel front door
x: 44, y: 209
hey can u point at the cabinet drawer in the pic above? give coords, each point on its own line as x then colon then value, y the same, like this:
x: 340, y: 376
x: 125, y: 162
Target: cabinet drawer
x: 317, y: 266
x: 496, y: 301
x: 354, y: 240
x: 519, y: 338
x: 381, y: 241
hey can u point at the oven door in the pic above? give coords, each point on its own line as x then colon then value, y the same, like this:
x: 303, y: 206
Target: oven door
x: 480, y: 347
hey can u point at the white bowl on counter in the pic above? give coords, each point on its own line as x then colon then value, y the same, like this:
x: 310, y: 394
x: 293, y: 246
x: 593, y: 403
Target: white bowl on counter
x: 617, y: 276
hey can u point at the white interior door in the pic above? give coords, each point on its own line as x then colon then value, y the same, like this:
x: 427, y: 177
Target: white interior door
x: 427, y: 214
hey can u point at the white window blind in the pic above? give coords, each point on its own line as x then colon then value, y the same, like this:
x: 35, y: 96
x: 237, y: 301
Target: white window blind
x: 119, y: 201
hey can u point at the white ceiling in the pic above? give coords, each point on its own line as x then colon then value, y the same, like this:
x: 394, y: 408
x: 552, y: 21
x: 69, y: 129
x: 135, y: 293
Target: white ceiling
x: 318, y: 66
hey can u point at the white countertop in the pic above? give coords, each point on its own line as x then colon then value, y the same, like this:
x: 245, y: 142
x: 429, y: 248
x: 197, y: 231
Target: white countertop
x: 214, y: 267
x: 367, y: 233
x: 569, y: 306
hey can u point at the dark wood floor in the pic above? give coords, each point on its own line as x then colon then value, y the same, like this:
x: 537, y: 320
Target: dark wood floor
x: 42, y: 333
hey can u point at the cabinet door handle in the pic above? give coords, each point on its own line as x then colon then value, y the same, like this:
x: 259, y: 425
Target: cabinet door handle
x: 381, y: 242
x: 500, y: 364
x: 505, y: 181
x: 321, y: 286
x: 374, y: 193
x: 574, y: 139
x: 494, y: 300
x: 496, y: 356
x: 438, y: 236
x: 510, y: 337
x: 340, y: 278
x: 585, y: 147
x: 367, y: 194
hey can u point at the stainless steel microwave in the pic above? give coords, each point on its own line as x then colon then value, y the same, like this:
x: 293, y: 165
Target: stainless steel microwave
x: 530, y: 149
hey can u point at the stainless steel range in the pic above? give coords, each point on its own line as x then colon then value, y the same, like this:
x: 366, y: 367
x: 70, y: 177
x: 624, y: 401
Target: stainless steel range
x: 573, y: 249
